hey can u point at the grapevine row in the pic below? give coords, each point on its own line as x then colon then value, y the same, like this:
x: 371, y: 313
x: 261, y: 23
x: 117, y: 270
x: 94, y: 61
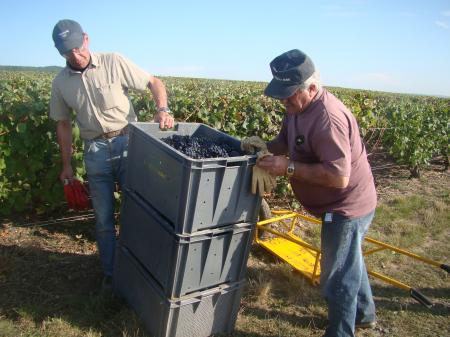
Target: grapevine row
x: 416, y: 127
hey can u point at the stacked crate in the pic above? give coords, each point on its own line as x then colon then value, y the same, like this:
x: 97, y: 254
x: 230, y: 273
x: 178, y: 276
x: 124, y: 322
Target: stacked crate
x: 186, y: 231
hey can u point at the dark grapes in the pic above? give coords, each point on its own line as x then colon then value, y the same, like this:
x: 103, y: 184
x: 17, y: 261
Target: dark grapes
x: 200, y: 147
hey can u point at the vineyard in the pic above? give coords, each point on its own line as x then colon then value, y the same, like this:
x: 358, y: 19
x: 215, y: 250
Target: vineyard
x: 411, y: 129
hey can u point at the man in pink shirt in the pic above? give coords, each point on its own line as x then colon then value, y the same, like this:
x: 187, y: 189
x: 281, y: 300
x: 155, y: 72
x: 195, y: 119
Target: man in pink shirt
x: 320, y: 150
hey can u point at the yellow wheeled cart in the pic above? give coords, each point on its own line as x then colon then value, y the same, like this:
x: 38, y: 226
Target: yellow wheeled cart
x: 278, y: 236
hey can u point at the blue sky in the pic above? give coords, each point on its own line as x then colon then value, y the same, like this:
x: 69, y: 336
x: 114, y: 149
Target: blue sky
x: 396, y: 45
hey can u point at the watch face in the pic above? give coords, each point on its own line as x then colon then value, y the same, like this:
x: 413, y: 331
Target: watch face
x: 290, y: 169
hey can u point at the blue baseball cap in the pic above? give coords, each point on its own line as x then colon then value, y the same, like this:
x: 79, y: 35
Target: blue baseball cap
x: 67, y: 35
x: 289, y: 70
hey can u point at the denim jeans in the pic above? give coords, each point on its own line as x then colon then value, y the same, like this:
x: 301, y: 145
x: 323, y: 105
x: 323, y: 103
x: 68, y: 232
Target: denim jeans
x: 105, y: 161
x: 344, y: 282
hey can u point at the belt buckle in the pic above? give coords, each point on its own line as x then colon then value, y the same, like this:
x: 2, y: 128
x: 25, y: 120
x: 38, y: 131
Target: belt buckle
x: 112, y: 134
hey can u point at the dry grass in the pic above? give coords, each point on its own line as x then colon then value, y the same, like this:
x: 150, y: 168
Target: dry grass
x: 49, y: 276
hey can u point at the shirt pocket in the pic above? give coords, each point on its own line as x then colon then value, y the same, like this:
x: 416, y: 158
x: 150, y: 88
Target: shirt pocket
x: 109, y: 96
x: 303, y: 153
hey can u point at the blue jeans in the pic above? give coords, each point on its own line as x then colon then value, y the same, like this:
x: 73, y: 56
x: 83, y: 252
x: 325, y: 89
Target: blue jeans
x: 105, y: 161
x: 344, y: 282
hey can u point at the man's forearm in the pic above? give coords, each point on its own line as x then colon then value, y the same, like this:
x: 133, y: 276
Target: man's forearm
x: 159, y: 93
x: 64, y: 136
x: 162, y: 116
x: 317, y: 174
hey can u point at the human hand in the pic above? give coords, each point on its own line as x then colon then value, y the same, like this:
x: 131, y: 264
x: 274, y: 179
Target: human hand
x: 275, y: 165
x: 253, y: 144
x: 165, y: 120
x: 66, y: 174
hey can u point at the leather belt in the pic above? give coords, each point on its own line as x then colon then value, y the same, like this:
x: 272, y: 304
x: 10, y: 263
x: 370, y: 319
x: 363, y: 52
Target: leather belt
x: 112, y: 134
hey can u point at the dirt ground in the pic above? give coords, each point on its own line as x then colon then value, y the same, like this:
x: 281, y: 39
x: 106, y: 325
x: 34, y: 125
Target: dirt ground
x: 50, y: 267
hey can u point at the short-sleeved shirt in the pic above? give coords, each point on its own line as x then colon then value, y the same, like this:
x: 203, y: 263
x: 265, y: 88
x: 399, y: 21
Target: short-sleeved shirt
x: 98, y: 95
x: 327, y: 133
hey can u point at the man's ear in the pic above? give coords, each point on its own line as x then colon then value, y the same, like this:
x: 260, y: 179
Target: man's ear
x: 312, y: 90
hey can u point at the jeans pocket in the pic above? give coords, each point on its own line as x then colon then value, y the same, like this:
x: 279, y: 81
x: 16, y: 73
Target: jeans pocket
x: 93, y: 158
x: 90, y: 147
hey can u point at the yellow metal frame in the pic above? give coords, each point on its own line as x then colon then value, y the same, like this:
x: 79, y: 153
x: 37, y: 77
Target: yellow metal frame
x: 305, y: 258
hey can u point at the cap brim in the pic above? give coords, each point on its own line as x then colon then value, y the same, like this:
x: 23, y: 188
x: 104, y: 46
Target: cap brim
x: 67, y: 45
x: 280, y: 90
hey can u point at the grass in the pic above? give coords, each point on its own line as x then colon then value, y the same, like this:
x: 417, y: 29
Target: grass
x: 50, y: 276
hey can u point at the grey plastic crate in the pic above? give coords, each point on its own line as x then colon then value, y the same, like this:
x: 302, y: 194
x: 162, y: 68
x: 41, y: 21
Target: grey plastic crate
x: 182, y: 264
x: 194, y: 194
x: 201, y: 314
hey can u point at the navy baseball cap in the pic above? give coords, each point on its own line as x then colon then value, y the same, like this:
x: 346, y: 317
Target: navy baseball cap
x: 289, y: 71
x: 67, y: 35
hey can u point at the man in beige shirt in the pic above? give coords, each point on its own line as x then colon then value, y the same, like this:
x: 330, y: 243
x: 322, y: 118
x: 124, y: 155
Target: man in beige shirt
x: 95, y: 87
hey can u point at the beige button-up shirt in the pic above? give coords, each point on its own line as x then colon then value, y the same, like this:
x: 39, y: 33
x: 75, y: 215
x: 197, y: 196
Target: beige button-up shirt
x: 99, y: 95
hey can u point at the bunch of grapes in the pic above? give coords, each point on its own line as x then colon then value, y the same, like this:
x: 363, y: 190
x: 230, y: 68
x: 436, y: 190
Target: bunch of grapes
x: 200, y: 147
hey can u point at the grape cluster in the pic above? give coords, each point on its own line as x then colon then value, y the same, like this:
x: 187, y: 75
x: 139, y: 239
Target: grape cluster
x: 200, y: 147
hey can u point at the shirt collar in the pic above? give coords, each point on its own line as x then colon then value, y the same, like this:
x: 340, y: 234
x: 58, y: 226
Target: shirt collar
x: 94, y: 63
x: 319, y: 94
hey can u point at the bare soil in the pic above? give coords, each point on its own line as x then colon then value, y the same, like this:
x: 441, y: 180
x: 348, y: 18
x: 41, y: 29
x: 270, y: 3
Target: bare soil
x: 49, y: 268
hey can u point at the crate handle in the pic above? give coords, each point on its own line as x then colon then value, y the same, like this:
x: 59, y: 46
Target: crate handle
x: 234, y: 163
x: 173, y: 128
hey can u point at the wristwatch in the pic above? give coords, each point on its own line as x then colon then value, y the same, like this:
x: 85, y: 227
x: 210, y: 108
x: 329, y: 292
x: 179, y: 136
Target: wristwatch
x: 163, y: 109
x: 290, y: 169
